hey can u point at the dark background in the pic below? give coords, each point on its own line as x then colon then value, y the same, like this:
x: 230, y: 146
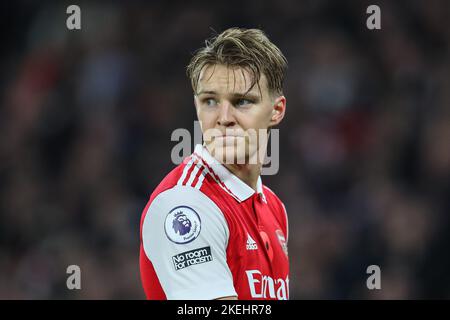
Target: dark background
x: 86, y: 118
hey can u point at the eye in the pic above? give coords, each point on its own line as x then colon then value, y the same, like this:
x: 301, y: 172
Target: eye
x: 210, y: 102
x: 243, y: 102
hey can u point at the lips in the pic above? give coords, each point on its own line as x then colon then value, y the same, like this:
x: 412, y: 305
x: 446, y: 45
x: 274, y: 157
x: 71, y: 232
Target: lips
x: 228, y: 138
x: 229, y: 141
x: 223, y: 137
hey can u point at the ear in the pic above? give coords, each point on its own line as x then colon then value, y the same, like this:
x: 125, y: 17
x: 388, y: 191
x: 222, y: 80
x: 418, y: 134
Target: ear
x: 278, y: 111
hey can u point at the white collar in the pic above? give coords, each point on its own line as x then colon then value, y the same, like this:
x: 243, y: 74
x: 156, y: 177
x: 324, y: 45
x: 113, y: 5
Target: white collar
x: 236, y: 186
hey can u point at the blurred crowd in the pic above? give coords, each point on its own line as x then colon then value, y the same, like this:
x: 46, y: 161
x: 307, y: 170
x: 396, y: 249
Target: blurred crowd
x: 86, y: 118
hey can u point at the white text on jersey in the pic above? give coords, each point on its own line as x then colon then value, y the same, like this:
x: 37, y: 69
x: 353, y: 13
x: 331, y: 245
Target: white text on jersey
x: 262, y: 286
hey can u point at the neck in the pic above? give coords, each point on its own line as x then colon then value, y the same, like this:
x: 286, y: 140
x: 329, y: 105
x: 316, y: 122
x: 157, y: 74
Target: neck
x: 248, y: 173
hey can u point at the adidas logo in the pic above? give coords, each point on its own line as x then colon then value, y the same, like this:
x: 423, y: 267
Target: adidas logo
x: 251, y: 244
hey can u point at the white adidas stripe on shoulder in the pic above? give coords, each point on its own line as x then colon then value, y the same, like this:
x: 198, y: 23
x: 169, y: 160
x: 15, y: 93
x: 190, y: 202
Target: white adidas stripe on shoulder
x: 207, y: 171
x: 192, y: 175
x: 199, y: 169
x: 185, y: 171
x: 199, y: 183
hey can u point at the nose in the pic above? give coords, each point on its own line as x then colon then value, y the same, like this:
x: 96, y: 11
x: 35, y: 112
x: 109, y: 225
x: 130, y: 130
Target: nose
x: 226, y: 117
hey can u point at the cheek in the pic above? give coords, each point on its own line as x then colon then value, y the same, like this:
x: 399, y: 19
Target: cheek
x: 258, y: 118
x: 207, y: 119
x: 267, y: 114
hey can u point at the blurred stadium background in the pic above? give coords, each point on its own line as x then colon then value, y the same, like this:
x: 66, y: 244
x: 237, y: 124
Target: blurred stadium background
x: 86, y: 118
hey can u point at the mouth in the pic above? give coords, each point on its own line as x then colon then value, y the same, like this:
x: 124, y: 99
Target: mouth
x: 227, y: 139
x: 224, y: 136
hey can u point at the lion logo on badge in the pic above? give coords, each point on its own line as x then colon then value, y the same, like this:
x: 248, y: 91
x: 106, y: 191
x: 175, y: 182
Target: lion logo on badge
x: 182, y: 225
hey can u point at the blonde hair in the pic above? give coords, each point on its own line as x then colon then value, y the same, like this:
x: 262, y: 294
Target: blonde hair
x: 249, y: 49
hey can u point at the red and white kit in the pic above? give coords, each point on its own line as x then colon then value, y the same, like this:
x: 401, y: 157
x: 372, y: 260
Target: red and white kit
x: 205, y: 234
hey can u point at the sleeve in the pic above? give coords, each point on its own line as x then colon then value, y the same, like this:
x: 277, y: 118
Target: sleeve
x: 185, y: 236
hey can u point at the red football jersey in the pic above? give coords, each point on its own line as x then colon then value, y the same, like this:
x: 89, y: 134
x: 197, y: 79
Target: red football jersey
x: 205, y: 234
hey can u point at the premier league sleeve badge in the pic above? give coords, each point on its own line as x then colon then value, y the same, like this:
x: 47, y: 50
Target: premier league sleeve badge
x: 182, y: 225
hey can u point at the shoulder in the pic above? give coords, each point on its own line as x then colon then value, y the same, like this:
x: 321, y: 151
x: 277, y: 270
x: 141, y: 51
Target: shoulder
x: 278, y: 208
x: 191, y: 172
x: 180, y: 194
x: 171, y: 208
x: 273, y: 199
x: 173, y: 177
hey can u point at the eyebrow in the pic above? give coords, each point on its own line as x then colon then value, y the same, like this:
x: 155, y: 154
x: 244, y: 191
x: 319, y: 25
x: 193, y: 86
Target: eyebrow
x: 205, y: 92
x: 234, y: 95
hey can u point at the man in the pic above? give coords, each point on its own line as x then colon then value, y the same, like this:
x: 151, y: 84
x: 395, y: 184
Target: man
x: 211, y: 229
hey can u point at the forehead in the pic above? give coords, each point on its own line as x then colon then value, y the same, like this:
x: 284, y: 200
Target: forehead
x: 226, y: 80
